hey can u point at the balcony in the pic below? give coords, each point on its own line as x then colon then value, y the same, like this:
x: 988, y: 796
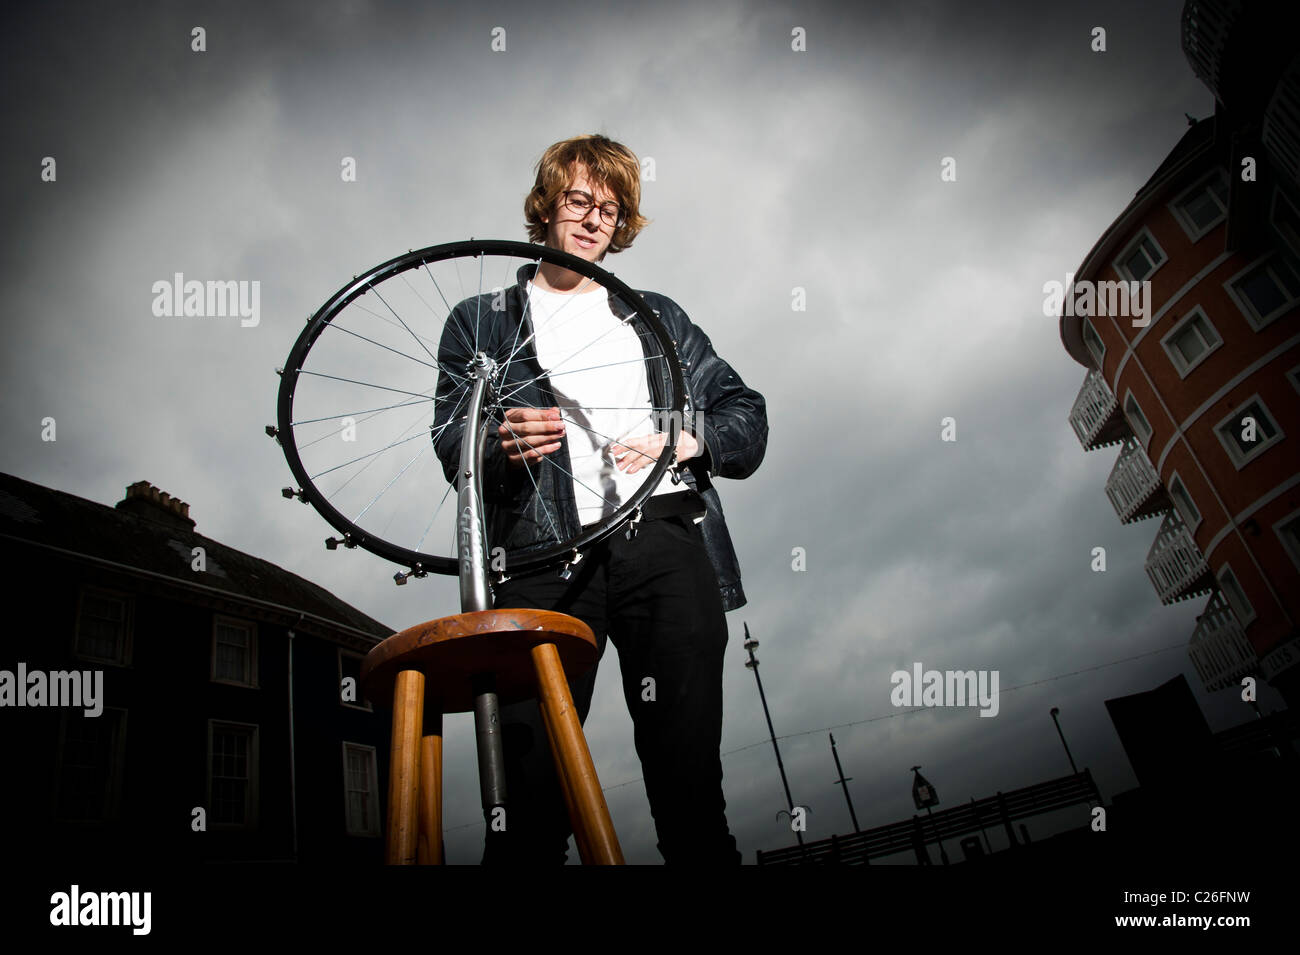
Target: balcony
x: 1206, y: 27
x: 1095, y: 417
x: 1219, y: 649
x: 1134, y: 487
x: 1174, y: 563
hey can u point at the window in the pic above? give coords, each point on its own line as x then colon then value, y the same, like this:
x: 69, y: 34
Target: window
x: 1142, y: 257
x: 103, y: 626
x: 1294, y: 376
x: 1137, y: 420
x: 1248, y: 431
x: 1190, y: 341
x: 90, y: 765
x: 234, y: 652
x: 1286, y: 221
x: 1288, y: 529
x: 232, y: 774
x: 1265, y: 291
x: 360, y: 790
x: 1183, y: 500
x: 1203, y: 206
x: 1236, y: 596
x: 350, y: 667
x: 1094, y: 342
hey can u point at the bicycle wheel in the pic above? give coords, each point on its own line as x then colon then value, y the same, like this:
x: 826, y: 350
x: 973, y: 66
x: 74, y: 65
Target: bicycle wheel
x: 382, y: 371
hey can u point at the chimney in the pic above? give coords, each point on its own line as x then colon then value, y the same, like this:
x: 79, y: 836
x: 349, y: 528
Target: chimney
x: 144, y: 500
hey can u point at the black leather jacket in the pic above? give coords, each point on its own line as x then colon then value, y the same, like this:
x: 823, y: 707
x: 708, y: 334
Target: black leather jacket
x: 728, y: 419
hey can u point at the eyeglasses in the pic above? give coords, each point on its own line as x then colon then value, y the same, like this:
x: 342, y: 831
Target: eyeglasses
x: 580, y: 203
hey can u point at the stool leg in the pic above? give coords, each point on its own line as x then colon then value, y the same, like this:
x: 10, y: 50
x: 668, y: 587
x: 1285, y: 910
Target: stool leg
x: 566, y: 787
x: 404, y: 769
x: 431, y: 790
x: 573, y: 761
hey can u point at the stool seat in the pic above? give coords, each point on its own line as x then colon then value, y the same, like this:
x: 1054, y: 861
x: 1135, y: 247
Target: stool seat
x: 451, y: 650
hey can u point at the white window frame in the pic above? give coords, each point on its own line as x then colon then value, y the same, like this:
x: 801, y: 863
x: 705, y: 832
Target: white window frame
x: 1260, y: 322
x: 254, y: 802
x: 117, y: 760
x: 1226, y: 572
x: 373, y: 767
x: 1230, y: 446
x: 1088, y: 326
x: 1202, y: 185
x: 1294, y: 376
x: 1143, y: 439
x: 1292, y: 549
x: 1188, y: 520
x: 362, y: 703
x: 1181, y: 365
x: 235, y: 622
x: 128, y: 624
x: 1118, y: 263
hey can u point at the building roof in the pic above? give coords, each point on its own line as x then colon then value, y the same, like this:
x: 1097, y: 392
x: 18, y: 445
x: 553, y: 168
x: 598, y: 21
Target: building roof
x: 151, y: 533
x: 1188, y: 151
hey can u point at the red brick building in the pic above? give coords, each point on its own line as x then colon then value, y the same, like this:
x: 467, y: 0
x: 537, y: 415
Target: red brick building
x: 1202, y: 393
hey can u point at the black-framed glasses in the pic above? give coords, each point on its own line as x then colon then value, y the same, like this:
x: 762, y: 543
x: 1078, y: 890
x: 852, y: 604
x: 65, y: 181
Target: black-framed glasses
x: 580, y: 203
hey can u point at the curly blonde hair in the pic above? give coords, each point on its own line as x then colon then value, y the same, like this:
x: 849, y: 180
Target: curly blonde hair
x: 608, y: 164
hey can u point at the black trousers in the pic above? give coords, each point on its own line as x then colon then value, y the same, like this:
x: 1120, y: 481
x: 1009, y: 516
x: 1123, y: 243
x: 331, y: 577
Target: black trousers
x: 656, y: 596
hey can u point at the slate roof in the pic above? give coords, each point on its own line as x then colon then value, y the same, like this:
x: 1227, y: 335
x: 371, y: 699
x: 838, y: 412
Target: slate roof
x: 144, y: 536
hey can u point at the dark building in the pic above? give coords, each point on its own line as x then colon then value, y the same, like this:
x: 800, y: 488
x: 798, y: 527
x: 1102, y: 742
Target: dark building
x: 223, y: 693
x: 1202, y: 393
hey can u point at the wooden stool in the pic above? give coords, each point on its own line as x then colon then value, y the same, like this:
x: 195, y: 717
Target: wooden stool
x: 528, y: 652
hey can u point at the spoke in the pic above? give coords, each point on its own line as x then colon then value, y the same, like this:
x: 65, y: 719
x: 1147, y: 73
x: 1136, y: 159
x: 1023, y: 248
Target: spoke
x: 364, y: 384
x: 450, y: 310
x: 433, y: 438
x: 366, y: 411
x: 574, y: 371
x: 356, y: 303
x: 436, y: 512
x: 432, y: 311
x: 552, y: 318
x: 561, y: 468
x: 363, y: 457
x: 536, y: 489
x: 391, y: 483
x: 421, y: 361
x: 404, y: 325
x: 612, y: 439
x: 551, y: 371
x: 393, y: 516
x: 340, y: 428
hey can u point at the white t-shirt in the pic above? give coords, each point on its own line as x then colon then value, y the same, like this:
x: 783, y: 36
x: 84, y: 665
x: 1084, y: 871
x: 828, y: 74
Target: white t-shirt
x: 596, y: 366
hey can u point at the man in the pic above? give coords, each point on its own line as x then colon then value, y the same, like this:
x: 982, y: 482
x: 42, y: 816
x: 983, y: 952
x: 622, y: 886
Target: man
x: 661, y: 595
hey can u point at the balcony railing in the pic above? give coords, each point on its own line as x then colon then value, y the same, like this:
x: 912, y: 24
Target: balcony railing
x: 1134, y: 487
x: 1175, y: 564
x: 1219, y: 649
x: 1095, y: 417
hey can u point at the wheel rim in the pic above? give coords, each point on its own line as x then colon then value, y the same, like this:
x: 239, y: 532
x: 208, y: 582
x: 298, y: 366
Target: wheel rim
x: 356, y: 369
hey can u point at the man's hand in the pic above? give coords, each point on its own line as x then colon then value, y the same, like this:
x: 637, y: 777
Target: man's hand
x: 637, y: 453
x: 529, y: 433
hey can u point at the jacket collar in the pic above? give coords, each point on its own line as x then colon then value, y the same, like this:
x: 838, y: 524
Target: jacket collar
x: 529, y: 269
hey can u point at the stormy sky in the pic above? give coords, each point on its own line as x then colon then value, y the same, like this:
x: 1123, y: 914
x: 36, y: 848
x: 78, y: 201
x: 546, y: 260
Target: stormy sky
x: 775, y: 169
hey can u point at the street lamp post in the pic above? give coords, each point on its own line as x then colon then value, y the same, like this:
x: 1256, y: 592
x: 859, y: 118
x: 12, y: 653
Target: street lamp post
x: 752, y: 663
x: 844, y: 782
x: 1055, y: 712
